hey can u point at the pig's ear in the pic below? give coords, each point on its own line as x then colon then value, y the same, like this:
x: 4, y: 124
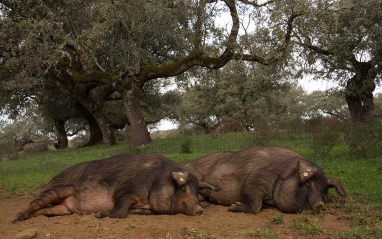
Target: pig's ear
x: 180, y: 178
x: 338, y: 186
x: 203, y: 184
x: 305, y: 172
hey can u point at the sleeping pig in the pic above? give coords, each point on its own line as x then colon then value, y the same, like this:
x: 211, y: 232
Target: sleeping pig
x: 264, y: 176
x: 114, y: 187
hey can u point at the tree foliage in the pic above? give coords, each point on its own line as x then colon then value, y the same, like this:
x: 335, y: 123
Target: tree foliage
x: 126, y: 44
x: 240, y: 97
x: 27, y: 132
x: 342, y: 40
x: 330, y: 103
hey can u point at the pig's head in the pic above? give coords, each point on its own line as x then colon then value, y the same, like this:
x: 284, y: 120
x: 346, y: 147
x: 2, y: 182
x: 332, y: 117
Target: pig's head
x: 185, y: 198
x: 306, y: 188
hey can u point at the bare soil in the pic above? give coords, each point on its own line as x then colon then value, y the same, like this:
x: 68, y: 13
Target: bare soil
x: 215, y: 222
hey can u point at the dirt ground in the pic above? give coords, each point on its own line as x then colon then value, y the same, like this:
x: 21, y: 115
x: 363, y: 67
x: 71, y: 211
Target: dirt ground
x: 215, y: 222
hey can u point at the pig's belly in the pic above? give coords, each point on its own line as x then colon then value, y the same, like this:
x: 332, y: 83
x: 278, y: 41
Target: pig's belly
x: 225, y: 199
x: 90, y: 200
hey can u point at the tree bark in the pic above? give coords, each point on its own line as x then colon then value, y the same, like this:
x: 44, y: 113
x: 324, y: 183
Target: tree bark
x: 106, y: 129
x: 359, y: 94
x: 139, y: 132
x: 62, y: 141
x: 95, y: 109
x: 101, y: 119
x: 95, y: 131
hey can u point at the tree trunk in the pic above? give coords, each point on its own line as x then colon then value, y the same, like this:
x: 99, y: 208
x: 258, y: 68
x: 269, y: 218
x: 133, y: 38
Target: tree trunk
x: 62, y: 137
x: 106, y: 129
x: 359, y: 95
x: 139, y: 132
x: 68, y: 87
x: 102, y: 121
x: 95, y: 131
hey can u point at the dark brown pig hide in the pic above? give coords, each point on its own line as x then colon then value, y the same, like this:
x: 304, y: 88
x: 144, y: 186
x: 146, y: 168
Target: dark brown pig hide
x: 114, y: 187
x: 264, y: 176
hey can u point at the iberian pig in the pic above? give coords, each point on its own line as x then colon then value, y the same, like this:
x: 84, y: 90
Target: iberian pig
x: 264, y: 176
x: 113, y: 187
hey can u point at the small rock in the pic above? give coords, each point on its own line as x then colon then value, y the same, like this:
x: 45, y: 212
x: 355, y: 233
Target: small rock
x: 48, y: 234
x: 27, y: 234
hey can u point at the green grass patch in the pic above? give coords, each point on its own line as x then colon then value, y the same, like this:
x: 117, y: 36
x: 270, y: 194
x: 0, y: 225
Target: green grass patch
x: 361, y: 177
x: 263, y: 233
x: 306, y: 225
x: 366, y: 221
x: 278, y: 219
x: 360, y: 233
x: 195, y: 234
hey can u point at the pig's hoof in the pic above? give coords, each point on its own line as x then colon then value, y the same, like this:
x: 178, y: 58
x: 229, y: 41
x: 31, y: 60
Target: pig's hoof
x: 100, y: 215
x: 15, y: 220
x: 20, y: 217
x: 237, y: 207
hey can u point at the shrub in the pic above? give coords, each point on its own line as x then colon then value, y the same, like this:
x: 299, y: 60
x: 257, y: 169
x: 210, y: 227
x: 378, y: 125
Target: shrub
x: 261, y: 138
x: 364, y: 139
x: 39, y: 145
x: 8, y: 151
x: 233, y: 122
x: 324, y: 139
x: 185, y: 147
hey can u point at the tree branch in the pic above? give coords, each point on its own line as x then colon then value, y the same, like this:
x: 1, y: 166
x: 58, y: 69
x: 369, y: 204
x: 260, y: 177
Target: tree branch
x: 281, y: 50
x: 200, y: 12
x: 320, y: 50
x: 86, y: 65
x: 95, y: 59
x: 100, y: 77
x: 255, y: 4
x: 195, y: 58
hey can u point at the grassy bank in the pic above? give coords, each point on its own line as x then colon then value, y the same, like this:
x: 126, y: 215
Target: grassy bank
x: 361, y: 177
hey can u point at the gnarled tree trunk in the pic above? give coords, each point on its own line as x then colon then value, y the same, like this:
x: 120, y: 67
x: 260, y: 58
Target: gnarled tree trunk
x: 62, y: 137
x: 359, y: 94
x: 68, y: 87
x: 102, y: 121
x: 95, y: 131
x: 139, y: 132
x: 105, y: 126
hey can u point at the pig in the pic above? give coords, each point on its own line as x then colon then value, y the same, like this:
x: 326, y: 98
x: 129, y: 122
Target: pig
x: 264, y: 177
x: 114, y: 187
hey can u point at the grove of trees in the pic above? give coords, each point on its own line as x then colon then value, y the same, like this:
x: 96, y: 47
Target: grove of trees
x: 97, y: 66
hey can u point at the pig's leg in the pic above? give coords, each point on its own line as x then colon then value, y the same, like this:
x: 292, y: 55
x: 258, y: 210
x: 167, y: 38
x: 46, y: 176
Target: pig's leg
x: 201, y: 198
x: 141, y: 211
x: 253, y: 205
x: 238, y: 207
x: 121, y: 207
x: 52, y: 196
x: 58, y: 210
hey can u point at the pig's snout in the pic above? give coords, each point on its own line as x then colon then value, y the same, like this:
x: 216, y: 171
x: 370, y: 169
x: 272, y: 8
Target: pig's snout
x: 319, y: 206
x: 197, y: 211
